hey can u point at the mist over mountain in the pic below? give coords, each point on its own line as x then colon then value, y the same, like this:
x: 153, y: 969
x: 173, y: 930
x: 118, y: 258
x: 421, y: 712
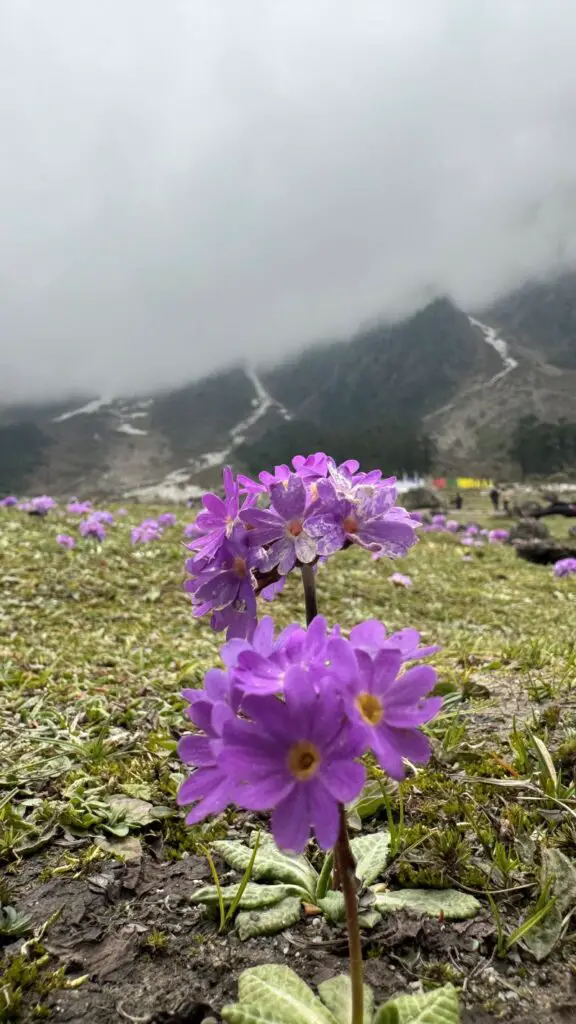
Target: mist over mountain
x: 440, y: 391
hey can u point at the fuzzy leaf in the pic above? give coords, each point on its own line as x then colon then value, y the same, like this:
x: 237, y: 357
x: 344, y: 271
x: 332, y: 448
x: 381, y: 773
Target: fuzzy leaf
x: 325, y: 876
x: 270, y: 863
x: 13, y: 923
x: 542, y: 938
x: 134, y: 811
x: 371, y: 853
x: 370, y: 801
x: 452, y: 904
x: 271, y: 994
x: 336, y: 994
x: 253, y: 898
x: 438, y: 1007
x: 267, y: 922
x: 129, y: 848
x: 332, y: 906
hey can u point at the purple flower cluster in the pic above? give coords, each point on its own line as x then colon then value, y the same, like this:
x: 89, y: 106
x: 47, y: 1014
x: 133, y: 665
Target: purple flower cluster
x: 79, y: 508
x: 565, y: 567
x: 65, y: 540
x: 93, y: 527
x: 284, y: 725
x: 8, y: 501
x: 498, y: 536
x: 39, y: 506
x: 146, y: 532
x: 167, y: 519
x: 294, y: 516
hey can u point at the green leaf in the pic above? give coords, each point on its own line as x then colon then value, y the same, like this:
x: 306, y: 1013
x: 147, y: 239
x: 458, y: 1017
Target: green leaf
x: 126, y: 849
x: 452, y: 904
x: 253, y: 898
x: 325, y: 876
x: 12, y: 923
x: 438, y: 1007
x: 134, y: 811
x: 560, y: 872
x: 371, y: 853
x: 333, y: 906
x: 250, y: 923
x: 270, y: 863
x: 370, y: 801
x: 271, y: 994
x: 336, y: 994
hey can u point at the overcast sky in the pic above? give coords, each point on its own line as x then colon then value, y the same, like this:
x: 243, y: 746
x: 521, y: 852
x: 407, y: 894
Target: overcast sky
x: 188, y: 182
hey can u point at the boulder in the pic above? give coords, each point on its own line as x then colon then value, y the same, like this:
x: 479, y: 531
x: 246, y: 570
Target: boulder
x: 420, y: 497
x: 543, y: 552
x: 528, y: 529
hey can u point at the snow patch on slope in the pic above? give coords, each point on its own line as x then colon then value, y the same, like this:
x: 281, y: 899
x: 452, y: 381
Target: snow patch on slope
x: 176, y: 485
x: 88, y: 409
x: 127, y: 428
x: 500, y: 346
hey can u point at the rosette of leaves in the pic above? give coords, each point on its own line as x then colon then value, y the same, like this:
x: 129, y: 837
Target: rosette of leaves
x: 271, y: 994
x: 280, y: 883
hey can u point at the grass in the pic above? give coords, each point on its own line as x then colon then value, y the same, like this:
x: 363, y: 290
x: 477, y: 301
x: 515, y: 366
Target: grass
x: 96, y: 644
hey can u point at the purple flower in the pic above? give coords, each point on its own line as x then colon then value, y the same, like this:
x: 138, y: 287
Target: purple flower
x: 102, y: 516
x: 311, y: 467
x: 452, y: 526
x: 79, y: 508
x: 374, y: 523
x: 225, y: 586
x: 146, y: 532
x: 211, y: 788
x: 65, y: 540
x: 371, y: 637
x: 167, y: 519
x: 498, y: 536
x: 93, y: 527
x: 214, y: 525
x: 417, y: 517
x: 565, y: 567
x: 190, y: 530
x: 390, y: 708
x: 400, y: 580
x: 439, y: 521
x: 41, y: 506
x: 8, y: 501
x: 472, y: 530
x: 122, y: 512
x: 282, y: 527
x: 297, y: 756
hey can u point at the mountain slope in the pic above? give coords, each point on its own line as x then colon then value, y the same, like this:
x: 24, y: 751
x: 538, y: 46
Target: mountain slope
x: 439, y: 390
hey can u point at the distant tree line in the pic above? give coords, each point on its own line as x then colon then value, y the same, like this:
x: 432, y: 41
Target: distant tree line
x: 543, y: 448
x: 394, y: 447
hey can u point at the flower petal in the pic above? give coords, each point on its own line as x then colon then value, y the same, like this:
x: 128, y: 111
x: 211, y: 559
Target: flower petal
x: 291, y: 820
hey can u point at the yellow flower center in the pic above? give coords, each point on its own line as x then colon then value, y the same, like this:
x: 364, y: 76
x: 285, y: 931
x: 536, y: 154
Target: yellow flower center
x: 295, y: 527
x: 350, y: 524
x: 303, y: 760
x: 370, y: 707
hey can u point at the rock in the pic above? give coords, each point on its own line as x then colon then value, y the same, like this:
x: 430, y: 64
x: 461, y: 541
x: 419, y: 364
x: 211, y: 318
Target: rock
x: 528, y: 529
x: 543, y: 552
x: 420, y: 497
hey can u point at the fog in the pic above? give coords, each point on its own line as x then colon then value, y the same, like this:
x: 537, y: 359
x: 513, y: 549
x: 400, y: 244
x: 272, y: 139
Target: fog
x: 189, y: 183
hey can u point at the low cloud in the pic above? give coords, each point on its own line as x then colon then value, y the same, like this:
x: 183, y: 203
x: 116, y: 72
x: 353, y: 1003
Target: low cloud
x: 188, y: 184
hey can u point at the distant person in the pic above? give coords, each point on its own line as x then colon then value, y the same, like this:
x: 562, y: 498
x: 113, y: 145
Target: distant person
x: 458, y: 501
x: 495, y: 498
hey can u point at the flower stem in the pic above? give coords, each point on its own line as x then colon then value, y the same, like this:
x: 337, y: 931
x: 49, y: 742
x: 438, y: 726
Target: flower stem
x: 344, y: 863
x: 344, y: 858
x: 309, y: 584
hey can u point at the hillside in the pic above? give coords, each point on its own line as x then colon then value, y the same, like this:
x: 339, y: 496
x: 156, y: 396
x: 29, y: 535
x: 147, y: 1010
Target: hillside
x: 441, y: 390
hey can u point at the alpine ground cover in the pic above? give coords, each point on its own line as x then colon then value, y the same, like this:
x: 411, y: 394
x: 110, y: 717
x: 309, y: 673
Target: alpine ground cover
x: 96, y: 644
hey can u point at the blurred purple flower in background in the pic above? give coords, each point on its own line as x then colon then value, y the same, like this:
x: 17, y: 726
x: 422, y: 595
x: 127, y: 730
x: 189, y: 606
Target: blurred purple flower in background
x: 65, y: 540
x: 565, y: 567
x: 79, y: 508
x: 498, y: 536
x: 8, y: 501
x: 93, y: 527
x: 167, y: 519
x: 41, y: 505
